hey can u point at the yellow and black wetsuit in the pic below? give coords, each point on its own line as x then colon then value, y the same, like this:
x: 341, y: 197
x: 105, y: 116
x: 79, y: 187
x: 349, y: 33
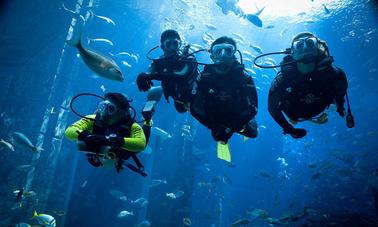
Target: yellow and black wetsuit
x: 135, y: 142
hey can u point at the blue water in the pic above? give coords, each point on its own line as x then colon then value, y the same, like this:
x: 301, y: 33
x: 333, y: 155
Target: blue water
x: 331, y: 170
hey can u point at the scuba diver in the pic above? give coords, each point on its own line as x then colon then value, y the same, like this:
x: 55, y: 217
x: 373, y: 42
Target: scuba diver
x: 175, y: 69
x: 226, y: 99
x: 111, y: 135
x: 307, y: 85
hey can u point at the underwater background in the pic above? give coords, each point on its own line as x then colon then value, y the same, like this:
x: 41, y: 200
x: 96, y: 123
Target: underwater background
x: 329, y: 175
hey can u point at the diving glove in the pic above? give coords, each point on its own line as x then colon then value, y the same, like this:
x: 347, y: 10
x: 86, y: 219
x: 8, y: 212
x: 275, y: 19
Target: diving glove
x: 92, y: 140
x: 296, y: 133
x: 143, y: 82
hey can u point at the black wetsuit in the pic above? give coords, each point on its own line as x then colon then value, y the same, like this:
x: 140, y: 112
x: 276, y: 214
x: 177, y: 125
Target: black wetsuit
x: 228, y: 101
x: 304, y: 96
x: 178, y: 85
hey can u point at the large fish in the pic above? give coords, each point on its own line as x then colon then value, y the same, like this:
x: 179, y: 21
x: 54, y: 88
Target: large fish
x: 254, y: 18
x: 99, y: 63
x: 24, y: 141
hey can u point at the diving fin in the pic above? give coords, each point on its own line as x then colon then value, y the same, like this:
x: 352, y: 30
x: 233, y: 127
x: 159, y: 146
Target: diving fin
x: 223, y: 151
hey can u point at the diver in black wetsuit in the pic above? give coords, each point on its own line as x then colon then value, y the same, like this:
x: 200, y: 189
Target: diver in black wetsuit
x: 307, y: 85
x: 176, y: 71
x: 226, y: 99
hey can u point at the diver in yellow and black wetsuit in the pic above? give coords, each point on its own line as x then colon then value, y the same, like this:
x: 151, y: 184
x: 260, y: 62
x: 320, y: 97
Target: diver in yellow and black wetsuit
x: 111, y: 135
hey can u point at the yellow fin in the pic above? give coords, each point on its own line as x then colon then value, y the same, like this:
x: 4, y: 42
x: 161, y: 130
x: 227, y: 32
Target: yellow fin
x: 223, y: 151
x: 245, y: 138
x: 35, y: 214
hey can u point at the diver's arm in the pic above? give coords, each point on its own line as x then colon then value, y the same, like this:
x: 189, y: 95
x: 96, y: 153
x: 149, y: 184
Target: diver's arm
x: 274, y: 107
x: 252, y: 95
x: 73, y: 131
x: 152, y: 73
x: 147, y: 129
x: 137, y: 140
x: 341, y: 86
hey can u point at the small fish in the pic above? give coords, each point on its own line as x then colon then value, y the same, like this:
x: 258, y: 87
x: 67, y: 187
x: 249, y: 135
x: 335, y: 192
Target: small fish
x: 60, y: 213
x: 186, y: 221
x: 170, y: 195
x: 175, y: 195
x: 141, y: 202
x: 238, y: 36
x: 107, y: 19
x: 240, y: 222
x: 157, y: 182
x: 24, y: 141
x: 283, y: 32
x: 23, y: 167
x: 44, y: 219
x: 7, y: 144
x: 161, y: 133
x: 125, y: 213
x: 97, y: 62
x: 101, y: 40
x: 257, y: 48
x: 310, y: 211
x: 254, y: 18
x: 211, y: 27
x: 144, y: 223
x: 226, y: 179
x: 132, y: 56
x: 269, y: 27
x: 274, y: 221
x: 117, y: 194
x: 103, y: 89
x: 125, y: 63
x: 326, y: 10
x: 265, y: 174
x: 258, y: 213
x: 84, y: 184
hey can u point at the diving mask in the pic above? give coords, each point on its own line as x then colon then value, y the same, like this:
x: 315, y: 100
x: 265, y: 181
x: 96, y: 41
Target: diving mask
x: 171, y: 45
x: 305, y: 48
x: 222, y: 52
x: 107, y: 108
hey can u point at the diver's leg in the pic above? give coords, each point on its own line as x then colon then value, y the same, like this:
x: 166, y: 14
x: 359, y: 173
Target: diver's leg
x: 180, y: 107
x: 250, y: 129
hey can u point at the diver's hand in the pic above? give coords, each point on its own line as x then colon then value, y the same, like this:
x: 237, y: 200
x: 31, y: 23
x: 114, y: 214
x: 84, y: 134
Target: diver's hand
x: 116, y: 141
x: 143, y: 82
x: 296, y: 133
x: 92, y: 140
